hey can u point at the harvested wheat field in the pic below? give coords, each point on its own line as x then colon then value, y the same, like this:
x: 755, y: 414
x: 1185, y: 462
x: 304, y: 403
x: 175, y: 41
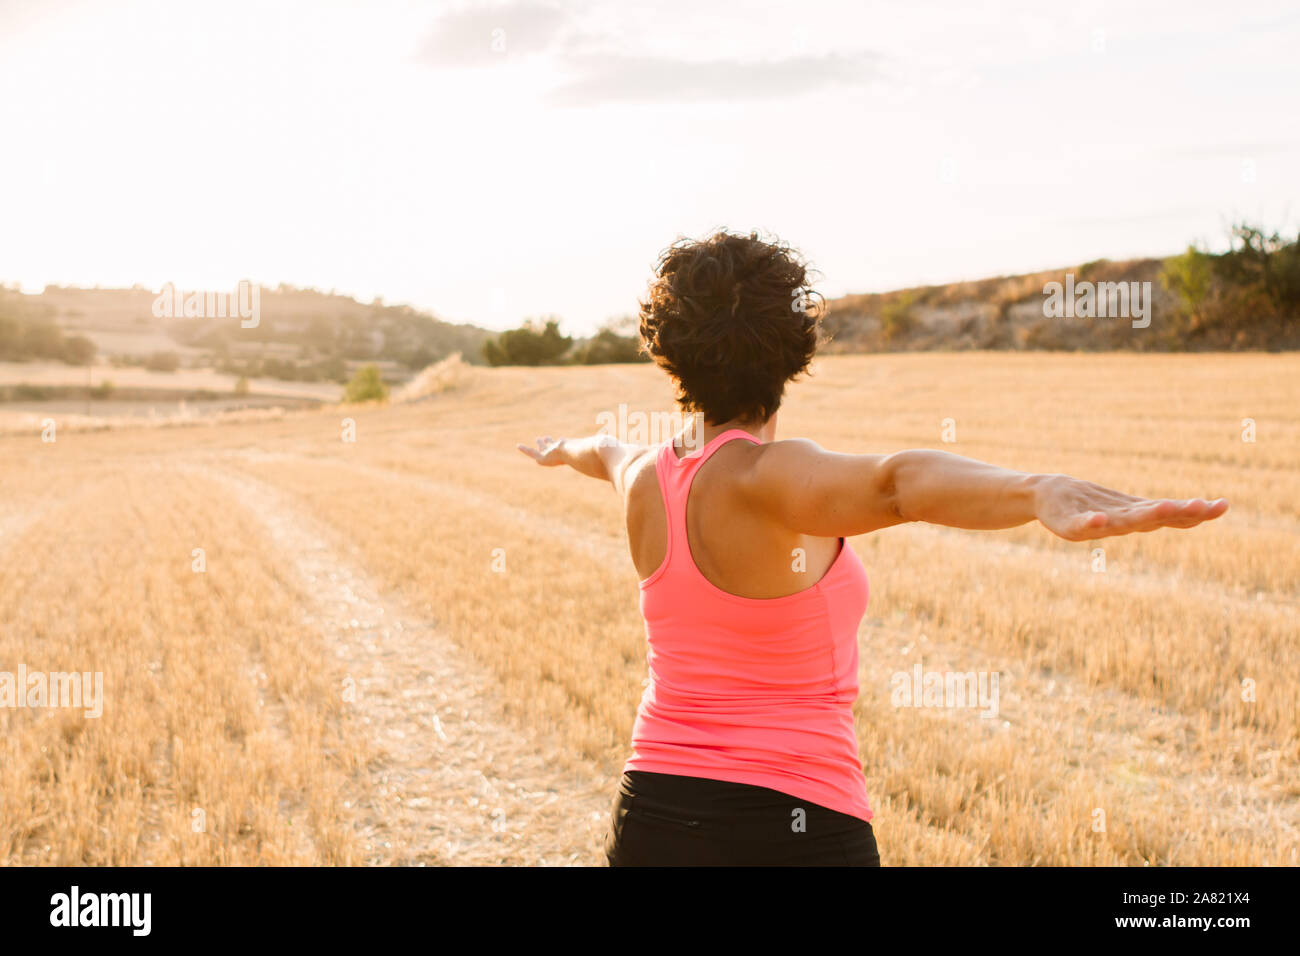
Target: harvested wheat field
x: 418, y: 648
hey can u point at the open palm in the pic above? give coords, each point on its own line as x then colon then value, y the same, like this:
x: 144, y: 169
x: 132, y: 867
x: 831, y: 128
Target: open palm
x: 1082, y: 511
x: 547, y: 452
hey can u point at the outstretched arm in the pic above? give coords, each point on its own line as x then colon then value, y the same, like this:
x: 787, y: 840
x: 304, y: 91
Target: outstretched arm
x: 814, y: 491
x: 598, y: 456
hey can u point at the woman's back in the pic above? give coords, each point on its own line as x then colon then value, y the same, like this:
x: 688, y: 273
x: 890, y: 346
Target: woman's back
x: 755, y: 690
x: 738, y: 549
x: 744, y: 748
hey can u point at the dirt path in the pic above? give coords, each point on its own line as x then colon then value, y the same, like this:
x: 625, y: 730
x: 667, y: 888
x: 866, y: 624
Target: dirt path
x: 454, y: 781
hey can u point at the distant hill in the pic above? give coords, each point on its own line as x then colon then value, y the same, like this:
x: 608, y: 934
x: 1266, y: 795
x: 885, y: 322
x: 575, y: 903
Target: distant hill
x: 301, y: 334
x: 1004, y: 312
x: 1247, y: 298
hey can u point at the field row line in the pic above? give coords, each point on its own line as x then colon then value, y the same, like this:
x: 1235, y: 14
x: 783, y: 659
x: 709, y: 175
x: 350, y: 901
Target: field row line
x: 455, y: 781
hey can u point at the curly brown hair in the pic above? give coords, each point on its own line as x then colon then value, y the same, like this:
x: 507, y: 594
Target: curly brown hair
x: 732, y: 319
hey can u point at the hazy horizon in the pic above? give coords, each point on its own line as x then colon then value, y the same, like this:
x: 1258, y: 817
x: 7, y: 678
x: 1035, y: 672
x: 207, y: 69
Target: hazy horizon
x: 490, y: 162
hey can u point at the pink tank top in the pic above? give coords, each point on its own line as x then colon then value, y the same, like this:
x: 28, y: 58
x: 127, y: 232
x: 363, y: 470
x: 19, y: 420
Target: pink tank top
x: 750, y: 690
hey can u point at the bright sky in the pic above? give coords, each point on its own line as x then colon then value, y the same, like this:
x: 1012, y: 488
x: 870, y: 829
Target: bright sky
x: 489, y: 162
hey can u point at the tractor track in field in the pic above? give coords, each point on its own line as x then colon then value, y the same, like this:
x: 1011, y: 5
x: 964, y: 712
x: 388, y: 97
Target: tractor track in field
x: 453, y: 781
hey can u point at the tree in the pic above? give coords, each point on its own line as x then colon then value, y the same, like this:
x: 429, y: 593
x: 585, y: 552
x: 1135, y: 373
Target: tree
x: 78, y: 350
x: 1264, y: 260
x: 896, y: 318
x: 10, y: 339
x: 367, y: 385
x: 163, y: 362
x: 1191, y: 277
x: 531, y: 344
x: 607, y: 347
x: 42, y: 339
x: 1249, y: 293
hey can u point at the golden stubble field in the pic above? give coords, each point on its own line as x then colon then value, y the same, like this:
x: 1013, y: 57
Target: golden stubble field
x: 418, y: 647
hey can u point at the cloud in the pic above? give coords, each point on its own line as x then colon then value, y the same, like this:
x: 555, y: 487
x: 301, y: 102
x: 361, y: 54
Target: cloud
x: 1228, y: 149
x: 598, y: 66
x: 480, y: 35
x: 648, y: 79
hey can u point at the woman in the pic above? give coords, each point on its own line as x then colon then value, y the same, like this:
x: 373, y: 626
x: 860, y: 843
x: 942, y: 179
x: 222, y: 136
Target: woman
x: 744, y: 747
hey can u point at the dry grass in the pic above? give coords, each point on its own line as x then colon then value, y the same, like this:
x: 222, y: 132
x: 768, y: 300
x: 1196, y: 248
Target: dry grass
x: 215, y: 700
x: 1121, y: 692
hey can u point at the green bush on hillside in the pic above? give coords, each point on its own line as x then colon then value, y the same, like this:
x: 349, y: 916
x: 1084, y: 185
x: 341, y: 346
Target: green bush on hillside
x: 25, y: 339
x: 897, y: 318
x: 531, y: 344
x: 367, y: 385
x: 1250, y: 292
x: 607, y: 347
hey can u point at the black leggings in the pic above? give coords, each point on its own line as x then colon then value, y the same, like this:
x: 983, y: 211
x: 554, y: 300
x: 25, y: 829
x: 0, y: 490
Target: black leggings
x: 670, y: 820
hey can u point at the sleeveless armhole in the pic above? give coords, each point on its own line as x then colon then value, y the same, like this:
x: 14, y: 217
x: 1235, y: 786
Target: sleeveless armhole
x: 662, y: 479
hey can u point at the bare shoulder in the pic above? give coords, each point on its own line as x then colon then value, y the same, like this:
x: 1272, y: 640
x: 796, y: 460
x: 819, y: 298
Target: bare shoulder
x: 640, y: 478
x: 791, y: 450
x: 818, y: 492
x: 777, y: 462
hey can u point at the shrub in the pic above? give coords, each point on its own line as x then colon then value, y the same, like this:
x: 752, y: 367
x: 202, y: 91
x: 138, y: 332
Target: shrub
x: 896, y: 318
x: 1249, y: 293
x: 607, y: 347
x: 78, y: 350
x: 1190, y: 277
x: 367, y: 385
x: 163, y: 362
x: 531, y: 344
